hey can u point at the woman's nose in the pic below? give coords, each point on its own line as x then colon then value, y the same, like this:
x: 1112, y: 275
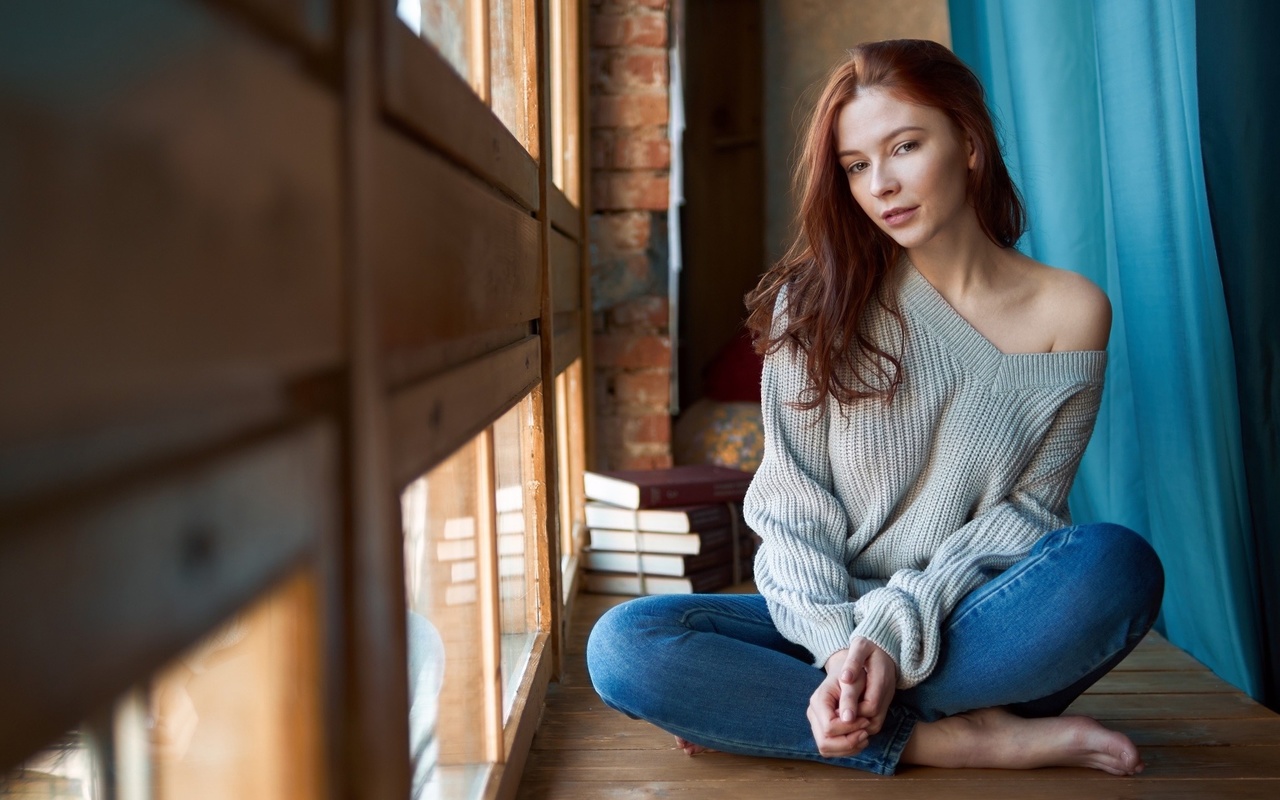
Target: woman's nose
x: 883, y: 182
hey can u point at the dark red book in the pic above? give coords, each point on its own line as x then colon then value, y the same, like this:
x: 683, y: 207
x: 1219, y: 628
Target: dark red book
x: 674, y: 486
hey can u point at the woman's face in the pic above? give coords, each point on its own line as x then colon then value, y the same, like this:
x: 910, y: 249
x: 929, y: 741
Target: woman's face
x: 907, y: 165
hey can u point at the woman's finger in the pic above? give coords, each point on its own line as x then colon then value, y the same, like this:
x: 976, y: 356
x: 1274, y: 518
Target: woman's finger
x: 851, y: 685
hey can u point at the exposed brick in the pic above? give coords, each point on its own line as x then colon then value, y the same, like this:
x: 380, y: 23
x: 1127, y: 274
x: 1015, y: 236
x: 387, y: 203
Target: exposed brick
x: 621, y: 231
x: 627, y: 70
x: 650, y: 387
x: 630, y: 351
x: 624, y: 6
x: 629, y: 190
x: 628, y: 460
x: 652, y: 428
x: 629, y: 111
x: 641, y: 148
x: 635, y: 29
x: 603, y: 146
x: 649, y: 312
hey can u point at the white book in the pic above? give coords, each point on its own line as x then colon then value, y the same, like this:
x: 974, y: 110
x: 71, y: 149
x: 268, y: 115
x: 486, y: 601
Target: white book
x: 462, y: 571
x: 459, y: 527
x: 609, y: 583
x: 510, y: 522
x: 688, y: 544
x: 653, y: 563
x: 460, y: 594
x: 681, y: 519
x: 456, y: 549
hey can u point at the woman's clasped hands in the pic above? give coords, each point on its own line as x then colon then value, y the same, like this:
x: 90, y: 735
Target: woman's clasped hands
x: 849, y: 706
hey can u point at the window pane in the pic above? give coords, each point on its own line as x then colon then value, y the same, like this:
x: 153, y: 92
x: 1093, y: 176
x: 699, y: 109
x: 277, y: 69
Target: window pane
x: 517, y: 602
x: 565, y: 97
x: 447, y: 706
x: 238, y: 714
x: 511, y: 66
x: 69, y: 769
x: 446, y: 24
x: 570, y: 457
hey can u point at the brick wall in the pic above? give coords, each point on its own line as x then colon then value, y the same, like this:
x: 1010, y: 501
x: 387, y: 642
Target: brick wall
x: 630, y: 159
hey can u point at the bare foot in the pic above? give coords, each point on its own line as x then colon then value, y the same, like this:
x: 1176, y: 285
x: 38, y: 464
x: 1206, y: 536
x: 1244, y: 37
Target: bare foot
x: 992, y: 737
x: 691, y: 749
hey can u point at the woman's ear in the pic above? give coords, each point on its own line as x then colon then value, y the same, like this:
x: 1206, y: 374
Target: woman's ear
x: 973, y: 152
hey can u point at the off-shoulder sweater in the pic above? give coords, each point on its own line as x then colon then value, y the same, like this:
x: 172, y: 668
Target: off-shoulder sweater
x: 877, y: 519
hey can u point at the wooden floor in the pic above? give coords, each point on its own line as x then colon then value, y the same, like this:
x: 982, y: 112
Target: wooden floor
x: 1200, y: 738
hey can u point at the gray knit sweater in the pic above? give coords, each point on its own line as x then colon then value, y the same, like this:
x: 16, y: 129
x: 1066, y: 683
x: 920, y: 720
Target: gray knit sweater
x: 878, y: 519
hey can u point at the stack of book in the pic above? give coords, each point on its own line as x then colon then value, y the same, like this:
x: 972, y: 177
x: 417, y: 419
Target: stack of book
x: 666, y: 531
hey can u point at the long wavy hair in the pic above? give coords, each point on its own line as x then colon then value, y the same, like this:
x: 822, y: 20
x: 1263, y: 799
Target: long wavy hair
x: 837, y: 264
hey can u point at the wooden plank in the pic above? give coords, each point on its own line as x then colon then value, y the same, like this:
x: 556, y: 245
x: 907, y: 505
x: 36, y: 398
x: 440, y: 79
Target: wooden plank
x: 566, y: 274
x: 568, y: 341
x: 171, y: 239
x: 608, y: 731
x: 123, y: 582
x: 1169, y: 706
x: 1157, y: 658
x: 490, y: 605
x: 1162, y: 682
x: 429, y: 420
x: 639, y: 765
x: 451, y: 259
x: 1140, y: 788
x: 418, y: 83
x: 372, y: 759
x: 565, y: 216
x: 526, y: 713
x: 1200, y: 732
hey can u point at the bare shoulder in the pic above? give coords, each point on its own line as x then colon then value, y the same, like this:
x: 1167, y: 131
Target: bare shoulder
x: 1076, y: 309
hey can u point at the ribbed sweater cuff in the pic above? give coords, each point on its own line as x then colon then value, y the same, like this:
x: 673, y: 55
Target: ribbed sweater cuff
x: 879, y: 627
x: 824, y: 640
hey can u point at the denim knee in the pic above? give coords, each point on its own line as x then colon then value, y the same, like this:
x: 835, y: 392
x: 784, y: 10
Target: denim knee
x: 1138, y: 576
x: 614, y: 647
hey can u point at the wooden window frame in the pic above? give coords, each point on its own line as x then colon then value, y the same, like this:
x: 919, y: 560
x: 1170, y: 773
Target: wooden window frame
x: 366, y: 370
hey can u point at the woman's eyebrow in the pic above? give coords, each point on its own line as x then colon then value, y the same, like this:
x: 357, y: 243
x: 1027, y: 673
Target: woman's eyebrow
x: 890, y: 135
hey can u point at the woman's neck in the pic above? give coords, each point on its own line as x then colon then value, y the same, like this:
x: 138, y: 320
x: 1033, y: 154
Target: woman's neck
x: 960, y: 259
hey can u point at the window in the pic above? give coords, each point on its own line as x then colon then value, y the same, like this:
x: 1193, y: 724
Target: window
x: 281, y: 494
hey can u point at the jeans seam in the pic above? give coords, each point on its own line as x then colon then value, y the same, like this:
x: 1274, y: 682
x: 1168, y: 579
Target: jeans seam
x: 1026, y: 564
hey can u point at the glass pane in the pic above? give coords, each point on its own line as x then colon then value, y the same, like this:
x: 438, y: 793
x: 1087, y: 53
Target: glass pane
x: 511, y: 67
x: 570, y: 452
x: 69, y: 769
x: 446, y: 24
x: 238, y: 715
x: 557, y: 56
x: 517, y: 603
x: 568, y: 147
x: 446, y: 706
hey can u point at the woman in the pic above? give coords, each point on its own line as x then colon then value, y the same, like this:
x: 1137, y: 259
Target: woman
x: 927, y: 394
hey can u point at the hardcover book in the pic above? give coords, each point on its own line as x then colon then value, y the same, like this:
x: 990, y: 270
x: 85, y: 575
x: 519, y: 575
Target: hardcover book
x: 708, y: 580
x: 688, y: 544
x: 674, y: 486
x: 662, y: 563
x: 678, y: 519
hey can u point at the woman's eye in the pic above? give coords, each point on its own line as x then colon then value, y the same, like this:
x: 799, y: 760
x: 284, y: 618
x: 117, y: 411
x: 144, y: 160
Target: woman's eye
x: 857, y: 166
x: 907, y: 147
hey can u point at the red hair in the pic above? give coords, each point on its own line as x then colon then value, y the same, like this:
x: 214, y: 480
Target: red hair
x: 838, y: 261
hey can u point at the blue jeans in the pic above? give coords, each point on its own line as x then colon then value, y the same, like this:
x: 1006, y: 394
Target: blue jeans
x: 714, y: 669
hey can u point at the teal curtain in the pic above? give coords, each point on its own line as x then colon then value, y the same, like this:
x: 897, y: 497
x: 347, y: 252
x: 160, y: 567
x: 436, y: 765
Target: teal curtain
x: 1099, y: 111
x: 1238, y: 70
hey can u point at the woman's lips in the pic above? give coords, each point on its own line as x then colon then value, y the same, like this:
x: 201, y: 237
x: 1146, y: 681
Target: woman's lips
x: 899, y: 216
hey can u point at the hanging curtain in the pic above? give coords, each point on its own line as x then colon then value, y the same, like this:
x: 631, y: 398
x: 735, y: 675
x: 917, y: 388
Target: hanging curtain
x: 1238, y: 72
x: 1098, y: 105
